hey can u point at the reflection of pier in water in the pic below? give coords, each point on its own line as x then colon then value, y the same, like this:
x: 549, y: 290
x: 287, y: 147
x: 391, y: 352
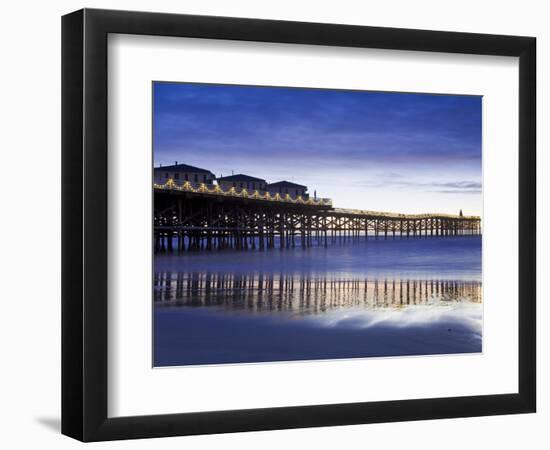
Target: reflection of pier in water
x: 257, y: 292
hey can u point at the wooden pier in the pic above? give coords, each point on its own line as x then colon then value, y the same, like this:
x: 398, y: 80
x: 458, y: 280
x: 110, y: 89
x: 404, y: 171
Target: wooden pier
x: 189, y: 218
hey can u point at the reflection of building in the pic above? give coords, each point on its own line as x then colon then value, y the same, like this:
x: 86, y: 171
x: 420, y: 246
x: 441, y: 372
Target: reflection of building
x: 180, y: 173
x: 286, y: 187
x: 242, y: 181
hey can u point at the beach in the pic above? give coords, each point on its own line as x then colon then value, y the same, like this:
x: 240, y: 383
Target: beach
x: 375, y: 298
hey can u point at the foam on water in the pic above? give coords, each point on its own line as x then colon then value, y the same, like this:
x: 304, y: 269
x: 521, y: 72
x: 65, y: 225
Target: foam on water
x: 463, y: 315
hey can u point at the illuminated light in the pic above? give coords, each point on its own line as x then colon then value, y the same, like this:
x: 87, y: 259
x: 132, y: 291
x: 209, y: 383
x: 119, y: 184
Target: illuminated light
x: 267, y: 196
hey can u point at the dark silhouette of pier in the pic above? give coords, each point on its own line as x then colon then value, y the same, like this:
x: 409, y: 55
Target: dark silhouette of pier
x: 192, y: 217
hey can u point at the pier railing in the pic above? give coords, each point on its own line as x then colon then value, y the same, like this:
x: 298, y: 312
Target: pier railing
x: 401, y: 216
x: 214, y: 189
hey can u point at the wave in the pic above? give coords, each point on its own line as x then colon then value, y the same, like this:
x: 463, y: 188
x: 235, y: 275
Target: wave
x: 466, y: 317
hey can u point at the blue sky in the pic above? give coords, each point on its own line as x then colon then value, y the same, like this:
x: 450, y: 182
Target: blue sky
x: 370, y: 150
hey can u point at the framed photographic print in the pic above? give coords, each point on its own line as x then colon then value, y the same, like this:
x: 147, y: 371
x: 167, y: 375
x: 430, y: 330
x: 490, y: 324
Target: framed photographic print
x: 273, y: 224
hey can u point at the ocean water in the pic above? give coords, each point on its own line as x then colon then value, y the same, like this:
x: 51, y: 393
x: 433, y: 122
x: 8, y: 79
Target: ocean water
x: 347, y: 300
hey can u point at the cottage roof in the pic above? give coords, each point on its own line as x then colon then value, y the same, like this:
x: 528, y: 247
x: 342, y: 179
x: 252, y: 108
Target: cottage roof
x: 182, y: 168
x: 286, y: 184
x: 240, y: 177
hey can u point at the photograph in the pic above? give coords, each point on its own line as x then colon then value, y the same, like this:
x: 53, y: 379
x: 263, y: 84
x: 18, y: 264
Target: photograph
x: 301, y: 224
x: 275, y: 225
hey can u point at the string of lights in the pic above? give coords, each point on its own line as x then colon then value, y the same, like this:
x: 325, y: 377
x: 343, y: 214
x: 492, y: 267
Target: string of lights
x: 203, y: 188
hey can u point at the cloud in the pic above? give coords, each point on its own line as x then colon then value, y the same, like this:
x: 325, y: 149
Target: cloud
x: 459, y: 185
x: 450, y: 187
x: 340, y: 126
x: 450, y: 191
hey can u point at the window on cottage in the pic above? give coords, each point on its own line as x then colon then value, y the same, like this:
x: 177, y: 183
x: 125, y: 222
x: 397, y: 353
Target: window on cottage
x: 176, y: 176
x: 186, y: 177
x: 204, y: 178
x: 196, y: 178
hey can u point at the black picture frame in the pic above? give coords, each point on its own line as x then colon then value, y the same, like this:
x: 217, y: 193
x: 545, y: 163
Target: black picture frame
x: 84, y: 224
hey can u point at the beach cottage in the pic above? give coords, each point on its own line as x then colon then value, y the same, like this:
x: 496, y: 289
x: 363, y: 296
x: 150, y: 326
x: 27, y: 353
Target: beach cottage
x: 180, y: 173
x: 286, y: 187
x: 241, y: 181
